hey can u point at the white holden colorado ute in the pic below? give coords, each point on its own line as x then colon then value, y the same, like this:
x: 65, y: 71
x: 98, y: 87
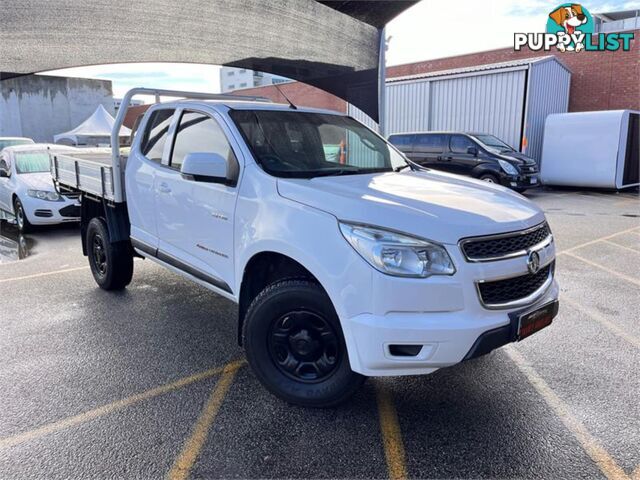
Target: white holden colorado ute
x: 346, y: 260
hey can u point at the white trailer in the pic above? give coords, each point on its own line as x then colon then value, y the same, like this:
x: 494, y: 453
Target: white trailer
x: 592, y: 149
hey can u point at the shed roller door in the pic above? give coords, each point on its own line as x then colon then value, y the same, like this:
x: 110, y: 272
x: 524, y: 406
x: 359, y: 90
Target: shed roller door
x: 491, y: 104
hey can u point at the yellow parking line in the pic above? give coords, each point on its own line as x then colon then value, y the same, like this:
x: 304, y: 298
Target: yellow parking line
x: 621, y: 246
x: 192, y: 447
x: 598, y: 454
x: 391, y: 433
x: 44, y: 274
x: 603, y: 321
x: 591, y: 242
x: 106, y: 409
x: 629, y: 279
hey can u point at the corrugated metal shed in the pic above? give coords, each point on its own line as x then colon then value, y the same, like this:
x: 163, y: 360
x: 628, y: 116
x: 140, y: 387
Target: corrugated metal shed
x: 510, y: 100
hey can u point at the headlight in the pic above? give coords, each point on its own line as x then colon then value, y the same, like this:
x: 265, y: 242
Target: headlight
x: 43, y: 195
x: 397, y: 254
x: 508, y: 168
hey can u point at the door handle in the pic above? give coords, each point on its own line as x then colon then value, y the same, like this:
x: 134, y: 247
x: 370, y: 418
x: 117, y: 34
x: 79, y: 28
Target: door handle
x: 164, y: 188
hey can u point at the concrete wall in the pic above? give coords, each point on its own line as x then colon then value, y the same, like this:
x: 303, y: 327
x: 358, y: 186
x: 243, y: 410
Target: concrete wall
x: 39, y: 106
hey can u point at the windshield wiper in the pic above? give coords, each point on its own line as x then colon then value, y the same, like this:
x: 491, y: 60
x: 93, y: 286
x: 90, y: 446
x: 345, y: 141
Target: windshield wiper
x: 333, y: 172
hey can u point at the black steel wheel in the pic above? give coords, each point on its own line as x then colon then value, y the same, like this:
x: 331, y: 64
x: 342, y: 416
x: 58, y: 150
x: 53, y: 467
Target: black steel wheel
x: 295, y: 347
x: 304, y: 346
x: 111, y: 263
x: 99, y: 254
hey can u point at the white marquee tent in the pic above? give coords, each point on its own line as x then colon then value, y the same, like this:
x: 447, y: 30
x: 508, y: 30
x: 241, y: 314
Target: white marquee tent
x: 95, y: 129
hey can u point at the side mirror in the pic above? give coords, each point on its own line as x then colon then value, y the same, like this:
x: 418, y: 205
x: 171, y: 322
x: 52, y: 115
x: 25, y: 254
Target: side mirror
x: 472, y: 151
x: 205, y: 167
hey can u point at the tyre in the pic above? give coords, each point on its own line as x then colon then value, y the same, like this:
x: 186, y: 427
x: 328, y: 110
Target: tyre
x: 519, y: 189
x: 489, y: 178
x: 111, y: 263
x: 21, y: 217
x: 295, y: 347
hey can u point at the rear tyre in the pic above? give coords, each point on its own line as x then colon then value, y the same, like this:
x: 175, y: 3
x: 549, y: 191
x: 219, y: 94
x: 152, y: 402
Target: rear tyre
x: 111, y: 263
x: 489, y: 178
x: 21, y: 217
x: 295, y: 347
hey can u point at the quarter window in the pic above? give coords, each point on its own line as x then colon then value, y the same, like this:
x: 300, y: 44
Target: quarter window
x: 433, y: 143
x: 199, y: 133
x: 401, y: 140
x: 460, y: 144
x: 155, y: 135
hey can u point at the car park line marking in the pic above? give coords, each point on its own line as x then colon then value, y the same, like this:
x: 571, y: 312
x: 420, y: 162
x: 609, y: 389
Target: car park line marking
x: 193, y: 446
x: 106, y: 409
x: 43, y: 274
x: 629, y: 279
x: 598, y: 454
x: 621, y: 246
x: 613, y: 328
x: 625, y: 201
x: 391, y: 433
x: 591, y: 242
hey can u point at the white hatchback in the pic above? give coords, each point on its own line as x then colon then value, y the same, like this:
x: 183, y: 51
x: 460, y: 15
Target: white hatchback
x: 27, y: 190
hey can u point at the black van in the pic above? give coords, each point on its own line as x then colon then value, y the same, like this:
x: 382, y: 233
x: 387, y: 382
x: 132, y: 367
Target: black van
x: 477, y: 155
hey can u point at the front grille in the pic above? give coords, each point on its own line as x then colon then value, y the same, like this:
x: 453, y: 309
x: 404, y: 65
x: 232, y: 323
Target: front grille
x: 497, y: 247
x: 70, y: 211
x: 513, y: 289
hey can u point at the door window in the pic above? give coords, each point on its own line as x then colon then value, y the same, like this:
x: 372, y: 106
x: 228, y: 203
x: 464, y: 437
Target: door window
x: 431, y: 143
x: 460, y: 143
x: 199, y: 133
x: 155, y: 135
x: 401, y: 141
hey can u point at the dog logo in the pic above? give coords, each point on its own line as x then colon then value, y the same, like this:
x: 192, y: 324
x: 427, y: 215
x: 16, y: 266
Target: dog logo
x: 570, y: 21
x: 533, y: 262
x: 570, y: 28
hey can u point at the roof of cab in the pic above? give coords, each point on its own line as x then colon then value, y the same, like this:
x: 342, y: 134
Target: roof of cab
x: 246, y: 105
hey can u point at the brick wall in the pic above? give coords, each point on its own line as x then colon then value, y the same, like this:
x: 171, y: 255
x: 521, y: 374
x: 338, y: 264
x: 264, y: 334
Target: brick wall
x: 599, y: 80
x: 300, y: 94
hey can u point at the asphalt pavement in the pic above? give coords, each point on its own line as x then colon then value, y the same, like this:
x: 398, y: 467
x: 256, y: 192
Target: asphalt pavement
x: 150, y: 382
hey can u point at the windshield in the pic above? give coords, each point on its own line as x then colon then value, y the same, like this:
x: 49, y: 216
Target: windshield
x: 36, y: 162
x: 307, y: 145
x: 14, y: 141
x: 493, y: 143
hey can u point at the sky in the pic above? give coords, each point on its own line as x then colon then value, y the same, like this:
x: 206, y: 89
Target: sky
x: 431, y: 29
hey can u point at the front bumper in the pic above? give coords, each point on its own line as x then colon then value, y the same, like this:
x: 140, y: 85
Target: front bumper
x: 442, y: 314
x: 43, y: 212
x: 521, y: 181
x: 446, y: 338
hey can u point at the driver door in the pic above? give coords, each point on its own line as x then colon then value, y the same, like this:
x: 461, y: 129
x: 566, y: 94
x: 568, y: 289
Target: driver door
x: 462, y: 162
